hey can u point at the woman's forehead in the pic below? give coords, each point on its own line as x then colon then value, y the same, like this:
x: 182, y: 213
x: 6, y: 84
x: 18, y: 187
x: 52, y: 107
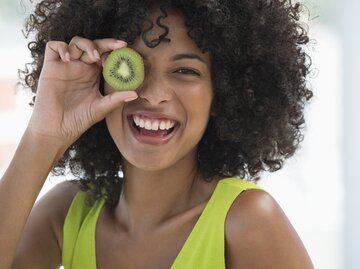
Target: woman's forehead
x: 179, y: 39
x: 159, y: 21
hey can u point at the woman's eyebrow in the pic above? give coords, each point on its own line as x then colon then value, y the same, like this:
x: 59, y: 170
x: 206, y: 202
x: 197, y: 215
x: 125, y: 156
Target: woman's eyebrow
x: 181, y: 56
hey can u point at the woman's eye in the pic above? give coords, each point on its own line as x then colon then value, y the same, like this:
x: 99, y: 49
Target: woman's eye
x: 187, y: 71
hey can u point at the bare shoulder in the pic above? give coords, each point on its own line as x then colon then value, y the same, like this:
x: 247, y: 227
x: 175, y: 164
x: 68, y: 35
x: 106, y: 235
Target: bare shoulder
x: 259, y: 235
x: 55, y: 203
x: 41, y: 241
x: 58, y: 199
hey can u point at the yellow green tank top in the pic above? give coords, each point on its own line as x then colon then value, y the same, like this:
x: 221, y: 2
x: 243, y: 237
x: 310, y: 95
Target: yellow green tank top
x: 203, y: 249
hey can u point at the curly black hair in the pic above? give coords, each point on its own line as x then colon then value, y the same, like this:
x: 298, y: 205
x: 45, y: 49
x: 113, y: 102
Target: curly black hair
x: 259, y: 71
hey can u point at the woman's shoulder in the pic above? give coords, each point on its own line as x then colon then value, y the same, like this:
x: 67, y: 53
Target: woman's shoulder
x: 55, y: 204
x: 43, y: 230
x: 254, y: 203
x: 259, y: 235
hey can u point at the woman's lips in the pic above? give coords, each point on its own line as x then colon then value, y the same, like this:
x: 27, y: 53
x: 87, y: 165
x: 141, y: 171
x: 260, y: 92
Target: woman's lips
x: 151, y: 123
x: 152, y: 130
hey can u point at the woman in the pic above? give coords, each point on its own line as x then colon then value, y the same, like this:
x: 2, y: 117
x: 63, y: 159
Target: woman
x: 228, y: 81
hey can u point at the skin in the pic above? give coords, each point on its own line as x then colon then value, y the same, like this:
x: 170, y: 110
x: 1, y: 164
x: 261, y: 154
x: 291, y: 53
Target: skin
x: 163, y: 194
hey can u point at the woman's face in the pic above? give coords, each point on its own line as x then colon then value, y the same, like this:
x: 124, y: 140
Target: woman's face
x: 174, y: 101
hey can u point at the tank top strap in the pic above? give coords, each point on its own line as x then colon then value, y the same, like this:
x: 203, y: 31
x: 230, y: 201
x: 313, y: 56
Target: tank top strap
x: 203, y: 249
x: 205, y: 246
x: 79, y: 228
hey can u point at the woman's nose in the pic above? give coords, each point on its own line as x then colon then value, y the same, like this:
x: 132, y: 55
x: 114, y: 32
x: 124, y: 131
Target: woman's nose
x: 155, y: 90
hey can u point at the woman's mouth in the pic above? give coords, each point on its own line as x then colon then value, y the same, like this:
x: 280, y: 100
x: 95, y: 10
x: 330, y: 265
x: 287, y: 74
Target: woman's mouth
x: 152, y: 130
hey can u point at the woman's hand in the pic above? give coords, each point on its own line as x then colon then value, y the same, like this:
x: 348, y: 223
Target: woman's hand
x: 68, y: 99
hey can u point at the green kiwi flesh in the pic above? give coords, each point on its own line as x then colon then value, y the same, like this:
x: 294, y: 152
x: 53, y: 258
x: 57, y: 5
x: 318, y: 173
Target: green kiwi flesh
x: 124, y: 69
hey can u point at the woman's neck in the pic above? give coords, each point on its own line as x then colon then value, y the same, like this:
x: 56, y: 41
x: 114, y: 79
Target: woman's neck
x: 150, y: 197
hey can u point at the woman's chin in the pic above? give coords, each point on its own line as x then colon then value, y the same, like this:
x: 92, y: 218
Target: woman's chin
x: 149, y: 163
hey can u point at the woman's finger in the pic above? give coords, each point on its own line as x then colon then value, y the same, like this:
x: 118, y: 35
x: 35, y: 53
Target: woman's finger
x: 106, y: 45
x: 111, y: 101
x: 56, y: 49
x: 109, y: 44
x: 84, y: 49
x: 103, y: 47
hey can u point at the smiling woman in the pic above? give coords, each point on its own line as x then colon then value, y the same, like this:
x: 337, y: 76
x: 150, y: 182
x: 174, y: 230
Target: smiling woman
x: 163, y: 172
x: 170, y: 94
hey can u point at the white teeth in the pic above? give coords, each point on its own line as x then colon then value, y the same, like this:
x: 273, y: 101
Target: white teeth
x: 137, y: 120
x: 148, y: 125
x: 162, y: 125
x: 169, y: 124
x: 142, y: 123
x: 153, y: 124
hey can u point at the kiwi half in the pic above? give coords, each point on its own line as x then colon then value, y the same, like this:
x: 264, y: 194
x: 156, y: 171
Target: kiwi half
x: 124, y: 69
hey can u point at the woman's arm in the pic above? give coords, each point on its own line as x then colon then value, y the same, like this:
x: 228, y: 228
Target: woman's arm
x: 41, y: 240
x: 67, y: 103
x: 19, y: 189
x: 259, y: 235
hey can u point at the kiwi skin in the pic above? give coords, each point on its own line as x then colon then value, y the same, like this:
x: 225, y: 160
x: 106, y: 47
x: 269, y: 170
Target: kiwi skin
x: 123, y: 69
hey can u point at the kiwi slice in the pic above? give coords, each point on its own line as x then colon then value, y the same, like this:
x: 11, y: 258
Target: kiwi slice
x: 124, y: 69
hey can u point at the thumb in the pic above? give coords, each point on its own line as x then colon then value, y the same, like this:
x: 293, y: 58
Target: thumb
x: 111, y: 101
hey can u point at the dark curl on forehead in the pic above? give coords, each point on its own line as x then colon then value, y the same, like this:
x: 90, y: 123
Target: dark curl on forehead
x: 148, y: 25
x: 259, y: 70
x: 137, y: 23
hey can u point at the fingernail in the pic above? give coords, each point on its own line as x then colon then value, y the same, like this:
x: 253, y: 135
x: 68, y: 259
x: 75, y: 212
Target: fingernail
x: 122, y: 42
x: 130, y: 99
x: 97, y: 54
x: 67, y: 56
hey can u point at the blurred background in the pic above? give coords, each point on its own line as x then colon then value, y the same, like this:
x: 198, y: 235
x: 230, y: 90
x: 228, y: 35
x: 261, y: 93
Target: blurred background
x: 318, y: 188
